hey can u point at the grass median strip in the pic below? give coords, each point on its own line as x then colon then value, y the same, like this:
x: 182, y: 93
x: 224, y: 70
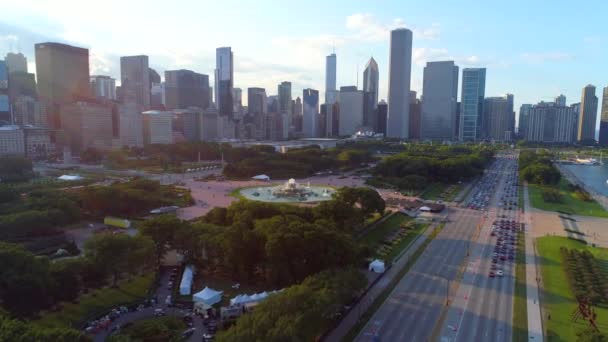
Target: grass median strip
x: 520, y: 308
x: 354, y: 331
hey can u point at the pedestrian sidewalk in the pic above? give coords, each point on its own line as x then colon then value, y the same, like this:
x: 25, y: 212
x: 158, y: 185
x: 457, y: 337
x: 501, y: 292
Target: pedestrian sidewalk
x: 535, y: 324
x: 353, y: 316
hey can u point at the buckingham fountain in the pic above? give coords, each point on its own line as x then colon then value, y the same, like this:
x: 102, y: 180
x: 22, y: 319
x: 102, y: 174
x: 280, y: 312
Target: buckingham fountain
x: 290, y: 191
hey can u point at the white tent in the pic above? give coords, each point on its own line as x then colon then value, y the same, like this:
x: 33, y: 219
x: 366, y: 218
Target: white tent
x: 377, y: 266
x: 261, y: 177
x: 254, y: 298
x: 69, y: 177
x: 185, y: 286
x: 425, y: 208
x: 208, y: 296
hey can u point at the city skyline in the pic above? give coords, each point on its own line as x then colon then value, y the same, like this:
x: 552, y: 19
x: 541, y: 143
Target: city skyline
x: 518, y: 65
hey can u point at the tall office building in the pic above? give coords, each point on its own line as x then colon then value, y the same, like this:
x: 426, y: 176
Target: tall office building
x: 135, y: 80
x: 186, y: 88
x: 603, y: 139
x: 471, y: 107
x: 576, y: 111
x: 15, y: 62
x: 224, y: 81
x: 549, y: 122
x: 86, y: 124
x: 310, y: 112
x: 5, y: 106
x: 351, y: 111
x: 284, y: 91
x: 561, y: 100
x: 330, y: 79
x: 400, y: 69
x: 130, y: 125
x: 497, y: 118
x: 154, y: 77
x: 256, y: 113
x: 588, y: 115
x: 439, y: 97
x: 524, y: 112
x: 297, y: 114
x: 62, y: 73
x: 237, y: 101
x: 370, y: 90
x: 29, y: 111
x: 415, y: 116
x: 157, y: 127
x: 103, y: 87
x: 186, y: 124
x: 381, y: 113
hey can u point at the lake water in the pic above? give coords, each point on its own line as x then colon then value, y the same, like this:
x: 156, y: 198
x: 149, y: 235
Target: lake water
x: 594, y: 177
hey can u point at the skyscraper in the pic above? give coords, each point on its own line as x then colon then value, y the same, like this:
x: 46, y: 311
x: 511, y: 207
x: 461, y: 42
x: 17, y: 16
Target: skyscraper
x: 382, y: 111
x: 15, y: 62
x: 256, y: 112
x: 103, y: 87
x: 549, y: 122
x: 310, y: 112
x: 471, y: 98
x: 603, y: 139
x: 588, y: 115
x: 330, y: 79
x: 560, y: 100
x: 224, y: 81
x: 415, y: 116
x: 370, y: 93
x: 524, y: 112
x: 186, y: 88
x: 439, y: 96
x: 135, y: 80
x: 62, y: 72
x: 351, y: 110
x: 284, y: 91
x: 237, y: 101
x: 400, y: 68
x: 5, y: 108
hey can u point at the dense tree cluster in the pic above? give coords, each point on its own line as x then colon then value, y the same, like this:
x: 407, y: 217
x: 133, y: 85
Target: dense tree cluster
x: 15, y: 169
x: 585, y: 275
x: 165, y: 156
x: 537, y: 168
x: 295, y: 163
x: 271, y: 243
x: 18, y: 331
x: 29, y: 283
x: 159, y: 329
x: 129, y: 199
x: 301, y: 312
x: 420, y: 165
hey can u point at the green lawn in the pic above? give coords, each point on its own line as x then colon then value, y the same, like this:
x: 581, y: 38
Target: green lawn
x: 375, y: 236
x: 441, y: 191
x: 520, y: 310
x: 571, y: 203
x: 97, y: 302
x: 557, y: 298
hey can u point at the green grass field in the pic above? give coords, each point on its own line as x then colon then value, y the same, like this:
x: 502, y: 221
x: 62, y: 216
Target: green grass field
x: 557, y: 298
x: 520, y: 310
x: 97, y: 302
x: 375, y: 236
x: 571, y: 203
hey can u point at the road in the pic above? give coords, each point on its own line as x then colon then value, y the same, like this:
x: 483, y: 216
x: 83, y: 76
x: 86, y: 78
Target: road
x: 412, y: 309
x: 482, y: 307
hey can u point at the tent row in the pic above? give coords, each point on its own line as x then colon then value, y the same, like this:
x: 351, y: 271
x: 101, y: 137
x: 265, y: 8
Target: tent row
x: 256, y: 297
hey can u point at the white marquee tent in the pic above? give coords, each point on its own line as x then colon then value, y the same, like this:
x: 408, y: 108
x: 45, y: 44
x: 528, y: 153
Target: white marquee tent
x: 185, y: 286
x: 208, y: 296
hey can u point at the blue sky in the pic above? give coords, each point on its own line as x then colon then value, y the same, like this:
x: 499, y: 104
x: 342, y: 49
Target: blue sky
x: 534, y: 49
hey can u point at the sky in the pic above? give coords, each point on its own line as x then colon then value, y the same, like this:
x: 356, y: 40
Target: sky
x: 535, y: 49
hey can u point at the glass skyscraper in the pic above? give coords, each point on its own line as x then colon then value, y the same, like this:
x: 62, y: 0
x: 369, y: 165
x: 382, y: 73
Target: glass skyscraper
x: 224, y: 81
x: 471, y: 98
x: 310, y: 113
x: 5, y: 111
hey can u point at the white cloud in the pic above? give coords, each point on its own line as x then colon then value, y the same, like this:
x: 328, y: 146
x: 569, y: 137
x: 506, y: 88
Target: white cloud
x: 9, y: 38
x: 543, y: 57
x: 367, y: 28
x: 421, y: 56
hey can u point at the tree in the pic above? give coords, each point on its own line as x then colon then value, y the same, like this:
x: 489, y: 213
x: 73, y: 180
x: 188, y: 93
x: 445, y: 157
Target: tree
x: 15, y: 169
x: 66, y: 282
x: 161, y: 230
x: 18, y: 331
x: 590, y: 335
x: 91, y: 156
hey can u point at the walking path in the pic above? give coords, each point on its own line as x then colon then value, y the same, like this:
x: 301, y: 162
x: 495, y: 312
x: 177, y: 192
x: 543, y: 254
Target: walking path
x: 535, y: 324
x: 368, y: 299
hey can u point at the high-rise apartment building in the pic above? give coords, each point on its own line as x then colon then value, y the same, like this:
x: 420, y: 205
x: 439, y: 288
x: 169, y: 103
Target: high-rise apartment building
x: 370, y: 90
x: 549, y: 122
x: 310, y: 112
x: 135, y: 80
x: 29, y: 111
x: 400, y: 68
x: 471, y: 103
x: 498, y: 117
x: 103, y: 87
x: 62, y: 73
x: 439, y: 98
x: 561, y: 100
x: 351, y: 111
x: 330, y: 79
x: 588, y: 115
x: 603, y: 138
x: 186, y: 88
x: 224, y: 81
x: 15, y: 62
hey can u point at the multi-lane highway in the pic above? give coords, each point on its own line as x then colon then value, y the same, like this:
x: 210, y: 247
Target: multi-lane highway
x: 412, y: 310
x: 482, y: 307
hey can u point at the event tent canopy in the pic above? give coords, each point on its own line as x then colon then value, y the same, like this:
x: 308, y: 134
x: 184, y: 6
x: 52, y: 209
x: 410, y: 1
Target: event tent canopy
x: 261, y: 177
x: 208, y: 296
x: 377, y: 266
x: 185, y: 286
